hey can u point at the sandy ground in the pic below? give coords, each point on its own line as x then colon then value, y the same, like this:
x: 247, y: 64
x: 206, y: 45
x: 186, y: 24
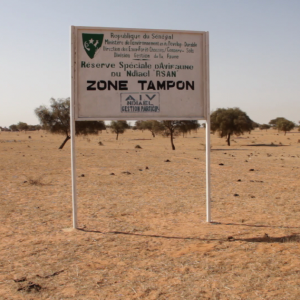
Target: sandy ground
x: 143, y: 233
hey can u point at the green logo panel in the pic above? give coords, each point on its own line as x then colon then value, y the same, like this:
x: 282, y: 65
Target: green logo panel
x: 92, y: 43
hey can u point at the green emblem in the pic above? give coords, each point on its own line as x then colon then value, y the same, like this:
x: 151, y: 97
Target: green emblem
x: 91, y: 43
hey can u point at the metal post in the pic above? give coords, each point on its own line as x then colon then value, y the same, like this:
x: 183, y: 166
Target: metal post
x: 73, y: 171
x: 72, y: 125
x: 208, y: 213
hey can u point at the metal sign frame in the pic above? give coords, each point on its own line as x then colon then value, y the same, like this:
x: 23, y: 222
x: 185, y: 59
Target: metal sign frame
x: 74, y: 116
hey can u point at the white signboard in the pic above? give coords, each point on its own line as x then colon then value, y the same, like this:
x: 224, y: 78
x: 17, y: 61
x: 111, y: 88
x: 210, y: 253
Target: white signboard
x: 132, y: 74
x: 139, y: 74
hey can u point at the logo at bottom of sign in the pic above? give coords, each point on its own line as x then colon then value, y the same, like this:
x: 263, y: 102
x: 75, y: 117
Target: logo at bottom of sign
x: 140, y: 103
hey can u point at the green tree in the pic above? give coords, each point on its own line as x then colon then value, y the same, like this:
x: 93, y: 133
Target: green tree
x: 188, y: 126
x: 285, y: 126
x: 264, y: 127
x: 274, y: 122
x: 22, y: 126
x: 119, y: 127
x: 171, y: 128
x: 13, y: 127
x: 230, y: 121
x: 56, y: 119
x: 34, y: 127
x: 139, y: 125
x: 153, y: 126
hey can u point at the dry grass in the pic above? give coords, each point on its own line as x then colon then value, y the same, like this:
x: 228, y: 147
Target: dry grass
x: 142, y: 232
x: 39, y: 180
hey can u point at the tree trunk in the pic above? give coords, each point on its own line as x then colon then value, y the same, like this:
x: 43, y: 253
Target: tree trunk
x: 117, y: 135
x: 153, y: 134
x: 228, y: 139
x: 171, y: 136
x: 64, y: 142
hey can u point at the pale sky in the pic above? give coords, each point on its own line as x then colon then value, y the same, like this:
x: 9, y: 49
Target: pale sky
x: 254, y: 49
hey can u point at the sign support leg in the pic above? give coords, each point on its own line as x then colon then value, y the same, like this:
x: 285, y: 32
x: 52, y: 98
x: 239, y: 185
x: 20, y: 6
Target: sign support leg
x: 73, y: 169
x: 72, y: 133
x: 208, y: 213
x: 207, y: 128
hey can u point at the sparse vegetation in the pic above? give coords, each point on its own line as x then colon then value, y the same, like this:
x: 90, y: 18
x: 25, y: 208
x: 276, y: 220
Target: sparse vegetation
x: 275, y: 121
x: 56, y: 119
x: 171, y: 128
x: 13, y: 127
x: 142, y: 213
x: 39, y: 180
x: 153, y: 126
x: 168, y: 128
x: 188, y: 127
x: 264, y: 127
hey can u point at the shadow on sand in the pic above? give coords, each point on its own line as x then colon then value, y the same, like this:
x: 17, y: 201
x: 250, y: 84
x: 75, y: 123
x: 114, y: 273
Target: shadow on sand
x: 268, y: 239
x: 255, y: 225
x: 267, y: 145
x: 265, y: 239
x: 231, y: 149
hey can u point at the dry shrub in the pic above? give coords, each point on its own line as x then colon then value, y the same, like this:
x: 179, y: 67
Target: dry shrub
x: 38, y: 181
